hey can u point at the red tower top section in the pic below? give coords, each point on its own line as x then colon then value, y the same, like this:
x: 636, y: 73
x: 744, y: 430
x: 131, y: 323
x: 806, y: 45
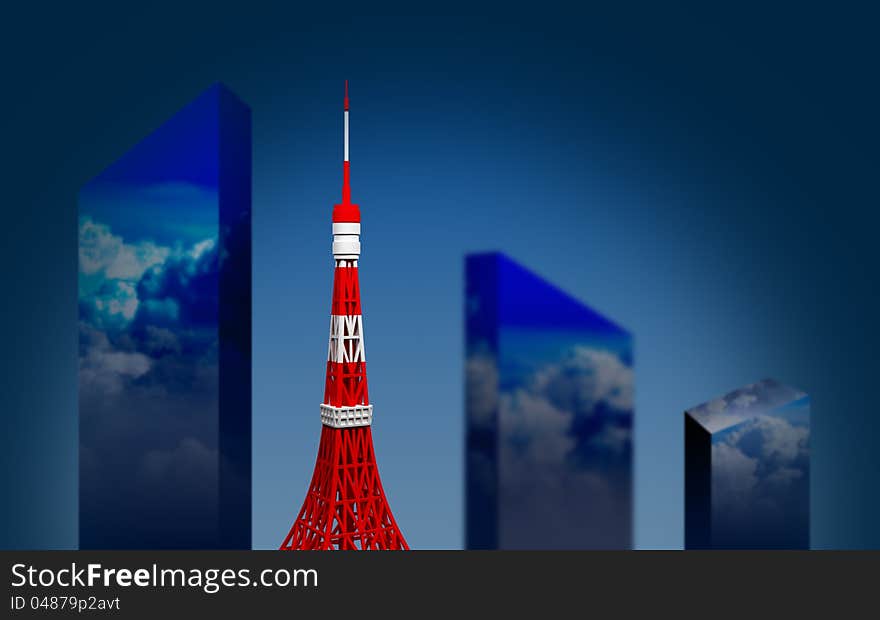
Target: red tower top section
x: 346, y: 211
x: 346, y: 507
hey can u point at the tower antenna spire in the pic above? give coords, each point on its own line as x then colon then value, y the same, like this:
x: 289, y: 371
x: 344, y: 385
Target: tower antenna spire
x: 346, y: 211
x: 346, y: 178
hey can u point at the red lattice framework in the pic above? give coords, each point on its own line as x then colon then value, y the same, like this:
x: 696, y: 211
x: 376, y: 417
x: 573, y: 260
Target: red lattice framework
x: 346, y: 506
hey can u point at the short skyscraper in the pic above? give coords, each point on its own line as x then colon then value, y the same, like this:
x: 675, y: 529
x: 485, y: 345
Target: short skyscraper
x: 747, y: 470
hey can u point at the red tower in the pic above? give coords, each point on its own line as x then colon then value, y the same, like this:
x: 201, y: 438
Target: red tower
x: 346, y: 507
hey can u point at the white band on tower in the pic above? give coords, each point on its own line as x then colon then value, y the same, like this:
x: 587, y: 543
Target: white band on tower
x: 346, y: 240
x: 346, y: 417
x: 346, y: 135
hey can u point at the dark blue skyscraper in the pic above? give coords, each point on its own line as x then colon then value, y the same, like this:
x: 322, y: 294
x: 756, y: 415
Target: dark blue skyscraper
x: 549, y: 399
x: 747, y: 470
x: 165, y: 337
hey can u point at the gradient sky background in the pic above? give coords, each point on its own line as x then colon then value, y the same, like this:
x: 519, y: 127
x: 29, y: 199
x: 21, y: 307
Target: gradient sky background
x: 705, y: 177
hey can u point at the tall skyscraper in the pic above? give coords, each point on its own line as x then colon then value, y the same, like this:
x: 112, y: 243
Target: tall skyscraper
x: 549, y: 415
x: 165, y: 337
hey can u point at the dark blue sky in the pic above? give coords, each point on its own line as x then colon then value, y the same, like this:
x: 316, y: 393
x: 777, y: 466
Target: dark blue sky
x: 705, y: 177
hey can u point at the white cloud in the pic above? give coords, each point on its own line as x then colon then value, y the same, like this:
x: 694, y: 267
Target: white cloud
x: 541, y: 430
x: 100, y: 251
x: 716, y: 406
x: 586, y: 378
x: 744, y: 400
x: 539, y: 457
x: 784, y: 476
x: 113, y: 272
x: 742, y: 404
x: 481, y: 376
x: 755, y: 465
x: 201, y: 247
x: 115, y: 302
x: 126, y: 364
x: 784, y: 440
x: 537, y: 418
x: 190, y: 459
x: 166, y: 309
x: 160, y: 340
x: 733, y: 477
x: 103, y: 369
x: 778, y: 438
x: 613, y: 438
